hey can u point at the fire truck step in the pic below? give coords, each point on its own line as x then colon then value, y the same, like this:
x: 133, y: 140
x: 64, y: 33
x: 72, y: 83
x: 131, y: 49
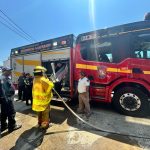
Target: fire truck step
x: 58, y: 99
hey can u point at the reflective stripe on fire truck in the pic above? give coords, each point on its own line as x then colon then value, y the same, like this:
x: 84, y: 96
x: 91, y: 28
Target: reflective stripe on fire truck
x: 28, y: 62
x: 122, y: 70
x: 92, y: 67
x: 146, y: 72
x: 17, y: 74
x: 83, y: 66
x: 47, y: 53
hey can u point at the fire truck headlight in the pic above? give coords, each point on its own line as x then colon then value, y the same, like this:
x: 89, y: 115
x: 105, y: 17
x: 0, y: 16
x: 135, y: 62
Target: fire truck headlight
x: 16, y: 52
x: 55, y: 44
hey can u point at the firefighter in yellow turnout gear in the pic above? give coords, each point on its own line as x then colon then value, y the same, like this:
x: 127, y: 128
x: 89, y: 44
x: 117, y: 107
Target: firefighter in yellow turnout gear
x: 42, y: 95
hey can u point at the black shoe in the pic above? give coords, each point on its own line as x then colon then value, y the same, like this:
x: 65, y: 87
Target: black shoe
x: 18, y: 99
x: 80, y: 111
x: 15, y: 128
x: 88, y: 114
x: 4, y: 128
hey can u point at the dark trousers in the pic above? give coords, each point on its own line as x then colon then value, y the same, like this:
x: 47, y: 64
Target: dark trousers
x: 28, y: 94
x: 21, y: 93
x: 7, y: 112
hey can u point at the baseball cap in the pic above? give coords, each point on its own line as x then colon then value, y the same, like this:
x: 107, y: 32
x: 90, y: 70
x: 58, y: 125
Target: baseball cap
x: 6, y: 69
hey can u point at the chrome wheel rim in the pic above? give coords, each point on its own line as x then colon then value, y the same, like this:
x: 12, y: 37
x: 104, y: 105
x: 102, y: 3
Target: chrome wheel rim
x: 130, y: 102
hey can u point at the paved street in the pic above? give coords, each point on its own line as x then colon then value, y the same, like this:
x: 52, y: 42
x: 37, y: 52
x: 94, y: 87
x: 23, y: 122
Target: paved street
x: 67, y: 132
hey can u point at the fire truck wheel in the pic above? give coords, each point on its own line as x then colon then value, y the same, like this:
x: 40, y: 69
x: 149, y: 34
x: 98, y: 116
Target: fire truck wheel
x: 74, y: 101
x: 131, y: 101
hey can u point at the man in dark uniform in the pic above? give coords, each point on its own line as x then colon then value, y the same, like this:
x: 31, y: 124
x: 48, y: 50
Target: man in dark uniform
x: 7, y: 106
x: 28, y: 88
x: 21, y: 87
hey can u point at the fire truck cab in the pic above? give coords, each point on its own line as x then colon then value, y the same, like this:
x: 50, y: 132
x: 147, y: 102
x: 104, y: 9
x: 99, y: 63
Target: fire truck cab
x: 117, y: 61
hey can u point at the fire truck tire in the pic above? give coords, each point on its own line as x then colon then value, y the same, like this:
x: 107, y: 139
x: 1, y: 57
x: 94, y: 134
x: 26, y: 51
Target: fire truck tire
x: 74, y: 101
x: 131, y: 101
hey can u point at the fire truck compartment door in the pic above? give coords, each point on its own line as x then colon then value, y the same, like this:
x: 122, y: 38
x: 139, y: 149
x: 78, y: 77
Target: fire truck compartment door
x: 17, y: 66
x: 56, y: 55
x: 30, y: 61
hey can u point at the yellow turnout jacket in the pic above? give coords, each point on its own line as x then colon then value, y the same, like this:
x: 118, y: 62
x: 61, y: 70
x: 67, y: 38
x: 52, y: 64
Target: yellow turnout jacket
x: 42, y: 93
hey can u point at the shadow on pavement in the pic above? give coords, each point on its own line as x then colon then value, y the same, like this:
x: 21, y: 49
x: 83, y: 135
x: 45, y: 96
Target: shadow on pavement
x: 29, y: 139
x: 5, y: 133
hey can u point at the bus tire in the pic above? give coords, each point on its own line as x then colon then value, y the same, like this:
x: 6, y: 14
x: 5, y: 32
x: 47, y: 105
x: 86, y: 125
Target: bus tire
x: 131, y: 102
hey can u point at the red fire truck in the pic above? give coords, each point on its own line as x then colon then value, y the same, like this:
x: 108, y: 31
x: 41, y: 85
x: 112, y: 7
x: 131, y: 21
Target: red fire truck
x: 116, y: 60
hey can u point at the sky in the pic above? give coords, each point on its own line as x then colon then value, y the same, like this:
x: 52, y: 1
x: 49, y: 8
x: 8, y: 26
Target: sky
x: 47, y: 19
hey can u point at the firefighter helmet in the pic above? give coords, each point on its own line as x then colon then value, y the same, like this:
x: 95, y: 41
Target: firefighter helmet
x: 39, y: 69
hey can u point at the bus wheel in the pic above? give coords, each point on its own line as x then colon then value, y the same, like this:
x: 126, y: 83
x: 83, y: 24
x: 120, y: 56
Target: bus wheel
x: 131, y: 101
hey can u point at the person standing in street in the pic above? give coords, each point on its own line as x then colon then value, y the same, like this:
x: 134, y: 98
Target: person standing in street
x: 42, y: 95
x: 7, y: 106
x: 21, y: 87
x: 28, y: 89
x: 83, y: 90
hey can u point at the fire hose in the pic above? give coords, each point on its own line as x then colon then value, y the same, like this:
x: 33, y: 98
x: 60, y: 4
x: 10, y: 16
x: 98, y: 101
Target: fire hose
x: 54, y: 78
x: 95, y: 127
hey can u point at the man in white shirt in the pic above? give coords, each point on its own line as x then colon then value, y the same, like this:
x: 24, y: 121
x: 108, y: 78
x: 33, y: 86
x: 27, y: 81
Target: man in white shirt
x: 83, y: 90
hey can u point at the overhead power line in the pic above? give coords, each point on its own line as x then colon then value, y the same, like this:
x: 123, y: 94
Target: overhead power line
x: 15, y: 31
x: 13, y: 28
x: 16, y: 27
